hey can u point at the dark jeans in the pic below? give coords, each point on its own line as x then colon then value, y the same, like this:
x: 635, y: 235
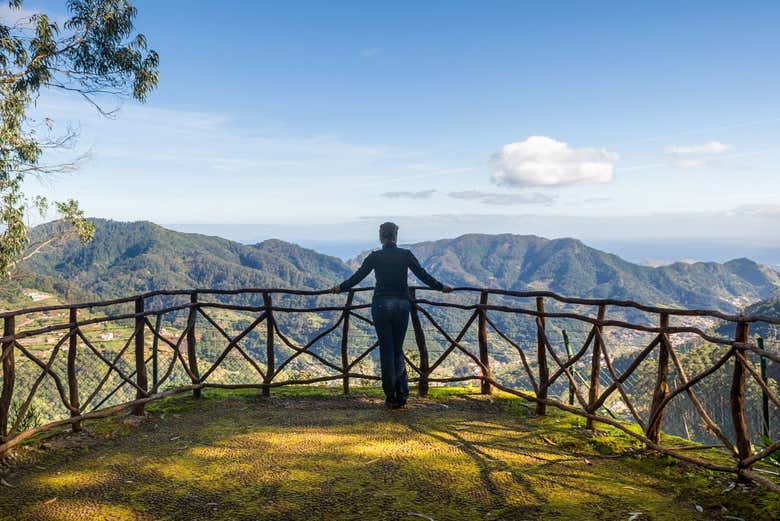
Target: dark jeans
x: 391, y: 318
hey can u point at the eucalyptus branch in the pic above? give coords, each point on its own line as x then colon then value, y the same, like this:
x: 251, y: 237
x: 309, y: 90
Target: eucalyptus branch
x: 95, y: 53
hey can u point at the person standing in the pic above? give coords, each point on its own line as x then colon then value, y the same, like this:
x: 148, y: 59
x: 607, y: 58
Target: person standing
x: 390, y: 307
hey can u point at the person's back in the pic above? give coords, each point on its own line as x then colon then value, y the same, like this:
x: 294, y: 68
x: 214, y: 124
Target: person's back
x: 391, y: 270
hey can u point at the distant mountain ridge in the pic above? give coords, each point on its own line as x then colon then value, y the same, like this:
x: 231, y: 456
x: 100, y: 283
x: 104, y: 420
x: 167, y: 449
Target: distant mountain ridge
x: 569, y: 267
x: 127, y: 258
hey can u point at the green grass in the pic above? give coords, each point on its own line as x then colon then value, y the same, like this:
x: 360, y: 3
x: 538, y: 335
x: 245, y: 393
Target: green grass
x: 310, y: 453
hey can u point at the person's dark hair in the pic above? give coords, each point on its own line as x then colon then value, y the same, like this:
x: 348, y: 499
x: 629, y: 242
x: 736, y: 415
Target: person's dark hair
x: 388, y: 231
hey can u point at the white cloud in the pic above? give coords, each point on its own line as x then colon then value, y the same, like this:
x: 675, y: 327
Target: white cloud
x: 542, y: 161
x: 503, y: 199
x: 709, y: 148
x: 422, y: 194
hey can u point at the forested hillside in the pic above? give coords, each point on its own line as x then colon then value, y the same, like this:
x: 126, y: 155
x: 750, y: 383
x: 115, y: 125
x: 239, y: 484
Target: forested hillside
x: 129, y: 258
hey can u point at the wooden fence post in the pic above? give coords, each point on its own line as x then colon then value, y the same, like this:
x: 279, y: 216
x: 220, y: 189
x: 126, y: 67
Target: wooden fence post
x: 422, y: 346
x: 155, y: 352
x: 738, y: 399
x: 483, y: 345
x: 192, y: 343
x: 661, y: 389
x: 269, y: 343
x: 73, y: 383
x: 541, y: 356
x: 9, y: 376
x: 595, y: 368
x: 764, y: 396
x: 345, y: 341
x: 569, y: 355
x: 140, y: 356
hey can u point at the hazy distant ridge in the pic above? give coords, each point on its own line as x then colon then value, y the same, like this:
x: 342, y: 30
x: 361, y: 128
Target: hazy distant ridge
x: 569, y: 267
x: 126, y: 258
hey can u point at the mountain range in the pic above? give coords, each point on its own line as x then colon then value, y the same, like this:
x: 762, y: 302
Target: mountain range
x: 126, y: 258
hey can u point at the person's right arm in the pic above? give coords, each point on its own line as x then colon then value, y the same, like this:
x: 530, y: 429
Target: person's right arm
x: 360, y: 274
x: 424, y: 276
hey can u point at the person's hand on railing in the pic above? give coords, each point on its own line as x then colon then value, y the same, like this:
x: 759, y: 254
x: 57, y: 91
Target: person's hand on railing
x: 446, y: 289
x: 335, y: 289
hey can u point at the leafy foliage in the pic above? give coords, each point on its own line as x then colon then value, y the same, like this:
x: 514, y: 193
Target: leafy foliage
x: 774, y: 456
x: 682, y: 417
x: 32, y: 416
x: 95, y: 53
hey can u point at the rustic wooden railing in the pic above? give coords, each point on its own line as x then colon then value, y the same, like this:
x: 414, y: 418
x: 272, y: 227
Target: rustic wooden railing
x: 544, y: 367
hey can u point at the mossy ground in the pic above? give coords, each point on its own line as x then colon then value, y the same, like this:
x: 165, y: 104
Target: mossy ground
x: 312, y: 454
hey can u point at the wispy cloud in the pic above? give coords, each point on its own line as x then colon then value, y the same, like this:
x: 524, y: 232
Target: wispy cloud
x: 543, y: 161
x: 14, y: 16
x: 197, y: 161
x: 421, y: 194
x: 703, y: 154
x: 708, y: 148
x: 689, y: 164
x: 424, y: 171
x: 21, y: 17
x: 175, y: 140
x: 595, y: 200
x: 502, y: 199
x: 760, y: 210
x: 749, y: 225
x: 370, y: 52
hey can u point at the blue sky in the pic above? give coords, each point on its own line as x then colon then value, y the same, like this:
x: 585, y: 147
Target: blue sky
x: 608, y: 121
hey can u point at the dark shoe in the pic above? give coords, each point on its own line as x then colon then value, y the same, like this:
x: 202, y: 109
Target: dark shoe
x: 391, y: 404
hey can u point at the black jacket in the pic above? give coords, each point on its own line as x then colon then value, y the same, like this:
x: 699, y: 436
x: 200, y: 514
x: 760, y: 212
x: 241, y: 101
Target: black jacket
x: 390, y: 266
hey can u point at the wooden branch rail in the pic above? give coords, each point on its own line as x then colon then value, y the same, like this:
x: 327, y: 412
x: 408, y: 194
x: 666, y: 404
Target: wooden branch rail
x: 550, y: 371
x: 541, y: 358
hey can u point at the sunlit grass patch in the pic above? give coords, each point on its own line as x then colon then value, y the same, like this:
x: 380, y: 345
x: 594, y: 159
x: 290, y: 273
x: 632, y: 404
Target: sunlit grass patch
x: 311, y: 453
x: 68, y: 480
x: 67, y: 509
